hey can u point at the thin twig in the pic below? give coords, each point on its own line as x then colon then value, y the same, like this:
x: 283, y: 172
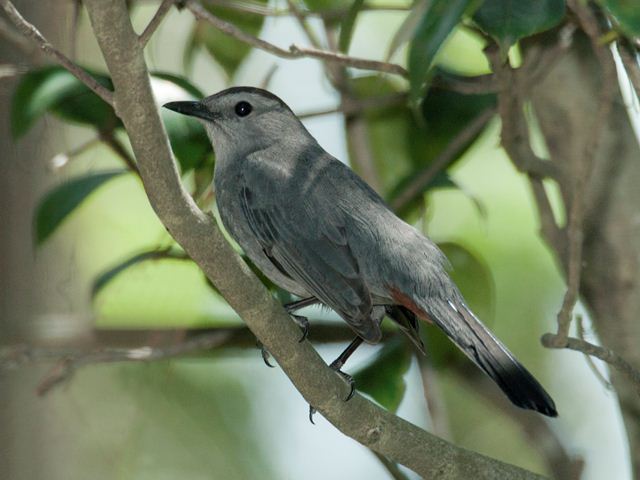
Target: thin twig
x: 28, y: 30
x: 594, y: 368
x: 606, y: 355
x: 155, y: 22
x: 348, y: 61
x: 112, y: 142
x: 549, y: 229
x: 356, y: 106
x: 69, y: 359
x: 302, y: 21
x: 422, y: 180
x: 66, y: 367
x: 294, y: 51
x: 62, y: 159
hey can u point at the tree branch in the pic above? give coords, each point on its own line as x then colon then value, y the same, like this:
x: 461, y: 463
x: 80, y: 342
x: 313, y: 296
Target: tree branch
x: 69, y: 359
x: 200, y: 237
x: 155, y: 22
x: 604, y: 354
x: 32, y: 32
x: 294, y: 51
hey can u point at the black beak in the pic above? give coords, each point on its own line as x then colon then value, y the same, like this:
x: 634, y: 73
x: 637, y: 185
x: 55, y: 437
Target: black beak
x: 192, y: 109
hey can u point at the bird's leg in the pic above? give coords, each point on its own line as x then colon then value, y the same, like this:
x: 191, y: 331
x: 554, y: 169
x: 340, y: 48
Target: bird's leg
x: 301, y: 321
x: 377, y: 314
x: 339, y: 362
x: 336, y: 365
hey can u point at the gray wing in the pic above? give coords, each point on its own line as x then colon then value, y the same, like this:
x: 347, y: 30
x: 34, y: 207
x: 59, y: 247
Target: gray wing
x: 309, y: 244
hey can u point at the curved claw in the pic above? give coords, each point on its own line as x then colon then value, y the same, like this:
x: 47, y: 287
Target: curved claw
x: 352, y: 384
x: 312, y: 411
x: 352, y: 392
x: 303, y: 323
x: 265, y: 355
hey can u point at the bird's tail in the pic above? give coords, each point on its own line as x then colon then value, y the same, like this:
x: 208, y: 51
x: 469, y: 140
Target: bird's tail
x: 488, y: 353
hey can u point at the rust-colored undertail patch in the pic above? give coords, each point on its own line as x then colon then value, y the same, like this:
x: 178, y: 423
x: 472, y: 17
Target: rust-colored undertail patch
x: 407, y: 302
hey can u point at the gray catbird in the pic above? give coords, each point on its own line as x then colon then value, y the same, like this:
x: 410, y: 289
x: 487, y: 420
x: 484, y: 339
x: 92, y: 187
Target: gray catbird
x: 319, y: 231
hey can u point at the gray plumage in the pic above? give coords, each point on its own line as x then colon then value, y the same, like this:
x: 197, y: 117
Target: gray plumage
x: 316, y: 229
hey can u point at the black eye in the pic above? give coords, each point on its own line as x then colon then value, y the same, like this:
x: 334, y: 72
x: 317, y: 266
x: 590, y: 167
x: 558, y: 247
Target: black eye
x: 243, y: 109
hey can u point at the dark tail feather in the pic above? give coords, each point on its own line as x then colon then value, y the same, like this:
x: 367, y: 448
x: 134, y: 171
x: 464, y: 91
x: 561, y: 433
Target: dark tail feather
x: 486, y: 351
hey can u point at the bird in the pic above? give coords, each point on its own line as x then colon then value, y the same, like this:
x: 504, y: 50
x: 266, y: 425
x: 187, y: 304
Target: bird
x: 320, y: 232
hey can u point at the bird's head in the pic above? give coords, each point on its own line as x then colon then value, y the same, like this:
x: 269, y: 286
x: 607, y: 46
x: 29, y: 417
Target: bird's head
x: 244, y: 119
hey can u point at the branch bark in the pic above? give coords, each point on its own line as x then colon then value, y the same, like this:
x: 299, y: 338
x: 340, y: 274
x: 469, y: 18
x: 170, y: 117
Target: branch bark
x: 199, y: 235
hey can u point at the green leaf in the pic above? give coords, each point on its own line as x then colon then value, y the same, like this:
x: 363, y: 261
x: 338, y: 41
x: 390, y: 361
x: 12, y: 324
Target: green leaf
x: 507, y: 21
x: 627, y: 13
x: 110, y: 274
x: 383, y: 377
x: 227, y: 51
x: 348, y: 24
x: 53, y: 89
x: 438, y: 21
x: 58, y: 203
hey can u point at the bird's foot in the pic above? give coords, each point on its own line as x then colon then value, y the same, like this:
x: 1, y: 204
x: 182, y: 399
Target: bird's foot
x: 265, y: 354
x: 303, y: 323
x: 336, y: 365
